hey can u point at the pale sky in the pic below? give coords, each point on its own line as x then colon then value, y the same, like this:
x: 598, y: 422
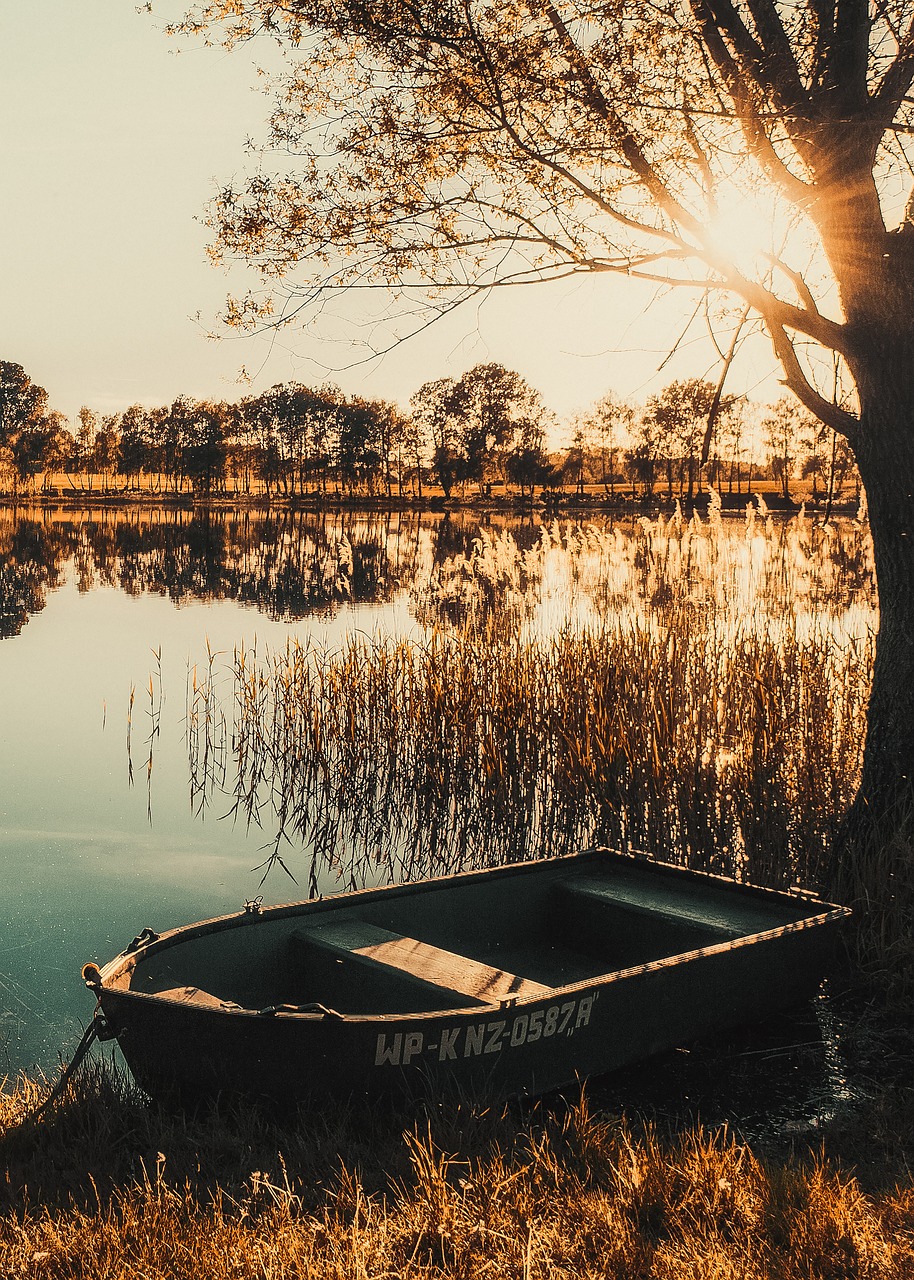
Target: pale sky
x: 112, y: 142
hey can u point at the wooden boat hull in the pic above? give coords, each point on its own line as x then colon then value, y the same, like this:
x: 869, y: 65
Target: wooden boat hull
x: 549, y: 1035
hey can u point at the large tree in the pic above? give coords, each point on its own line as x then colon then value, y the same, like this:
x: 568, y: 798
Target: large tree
x: 498, y: 413
x: 477, y: 421
x: 458, y: 145
x: 295, y: 426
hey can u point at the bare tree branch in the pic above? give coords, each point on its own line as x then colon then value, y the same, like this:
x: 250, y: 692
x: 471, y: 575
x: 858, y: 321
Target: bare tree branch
x: 847, y: 424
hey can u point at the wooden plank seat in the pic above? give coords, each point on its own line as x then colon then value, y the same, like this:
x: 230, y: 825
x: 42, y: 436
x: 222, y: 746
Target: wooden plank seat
x: 427, y: 964
x: 196, y: 996
x: 675, y: 904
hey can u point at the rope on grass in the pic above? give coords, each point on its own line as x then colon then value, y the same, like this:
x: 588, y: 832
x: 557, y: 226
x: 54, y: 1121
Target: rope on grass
x: 90, y: 1034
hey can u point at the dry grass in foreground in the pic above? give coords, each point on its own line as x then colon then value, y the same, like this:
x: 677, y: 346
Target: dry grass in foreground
x: 107, y: 1187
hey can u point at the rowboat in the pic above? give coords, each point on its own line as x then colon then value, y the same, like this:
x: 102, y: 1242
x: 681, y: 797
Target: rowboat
x: 511, y: 981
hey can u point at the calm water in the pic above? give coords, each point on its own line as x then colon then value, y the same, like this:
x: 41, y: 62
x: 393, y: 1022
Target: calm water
x: 96, y: 606
x: 85, y: 598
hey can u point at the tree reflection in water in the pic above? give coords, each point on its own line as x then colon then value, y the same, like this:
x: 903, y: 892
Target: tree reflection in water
x: 32, y: 556
x: 288, y: 565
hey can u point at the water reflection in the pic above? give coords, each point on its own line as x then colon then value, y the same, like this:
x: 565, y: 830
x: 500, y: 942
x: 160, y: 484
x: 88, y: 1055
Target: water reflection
x: 81, y: 867
x: 288, y: 565
x: 291, y: 565
x: 32, y: 556
x: 775, y: 1082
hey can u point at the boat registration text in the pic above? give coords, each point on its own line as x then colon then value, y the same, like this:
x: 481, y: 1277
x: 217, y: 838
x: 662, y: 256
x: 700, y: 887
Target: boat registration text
x: 468, y: 1040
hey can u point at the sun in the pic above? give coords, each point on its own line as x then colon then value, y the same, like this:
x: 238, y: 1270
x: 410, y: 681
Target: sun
x: 745, y: 229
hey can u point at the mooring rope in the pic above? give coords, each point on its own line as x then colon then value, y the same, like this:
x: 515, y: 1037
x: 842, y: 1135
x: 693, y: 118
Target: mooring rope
x: 90, y: 1034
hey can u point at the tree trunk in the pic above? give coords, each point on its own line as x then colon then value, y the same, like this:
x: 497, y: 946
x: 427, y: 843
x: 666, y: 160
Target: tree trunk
x: 874, y: 853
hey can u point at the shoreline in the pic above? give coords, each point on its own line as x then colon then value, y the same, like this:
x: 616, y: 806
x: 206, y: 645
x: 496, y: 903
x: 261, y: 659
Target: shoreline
x: 551, y: 505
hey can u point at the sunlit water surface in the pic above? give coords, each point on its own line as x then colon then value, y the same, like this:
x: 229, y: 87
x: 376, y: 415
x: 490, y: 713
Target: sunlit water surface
x: 102, y: 618
x: 88, y: 857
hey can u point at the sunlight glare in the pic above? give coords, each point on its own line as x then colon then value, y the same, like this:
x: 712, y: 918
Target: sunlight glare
x: 743, y: 230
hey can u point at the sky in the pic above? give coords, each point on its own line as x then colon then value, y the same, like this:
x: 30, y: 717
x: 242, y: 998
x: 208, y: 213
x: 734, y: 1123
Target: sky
x: 114, y: 137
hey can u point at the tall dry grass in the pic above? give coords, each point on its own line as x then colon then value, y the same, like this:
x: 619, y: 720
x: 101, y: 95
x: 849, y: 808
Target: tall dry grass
x: 793, y: 572
x: 686, y: 689
x: 113, y: 1189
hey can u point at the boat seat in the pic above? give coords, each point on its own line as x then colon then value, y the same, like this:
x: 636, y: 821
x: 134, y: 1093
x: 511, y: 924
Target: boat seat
x: 429, y: 965
x: 195, y: 996
x: 675, y: 904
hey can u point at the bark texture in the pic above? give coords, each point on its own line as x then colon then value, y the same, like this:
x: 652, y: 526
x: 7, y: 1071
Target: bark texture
x: 874, y: 854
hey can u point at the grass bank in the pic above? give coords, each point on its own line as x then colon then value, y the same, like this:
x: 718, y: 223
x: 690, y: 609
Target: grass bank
x: 108, y: 1187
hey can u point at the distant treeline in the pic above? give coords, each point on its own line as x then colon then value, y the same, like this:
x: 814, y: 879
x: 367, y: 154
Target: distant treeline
x: 486, y: 428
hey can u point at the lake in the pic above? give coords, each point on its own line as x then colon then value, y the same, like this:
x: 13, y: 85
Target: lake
x: 86, y: 598
x: 104, y: 616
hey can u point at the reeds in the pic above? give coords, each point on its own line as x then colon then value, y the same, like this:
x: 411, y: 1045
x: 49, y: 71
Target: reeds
x: 791, y: 571
x: 476, y: 747
x: 681, y: 690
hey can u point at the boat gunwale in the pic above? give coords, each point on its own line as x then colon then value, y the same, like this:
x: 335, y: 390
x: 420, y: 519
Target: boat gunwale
x: 126, y: 960
x: 606, y: 979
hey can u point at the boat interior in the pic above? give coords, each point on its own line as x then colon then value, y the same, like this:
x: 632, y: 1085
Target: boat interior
x: 513, y: 934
